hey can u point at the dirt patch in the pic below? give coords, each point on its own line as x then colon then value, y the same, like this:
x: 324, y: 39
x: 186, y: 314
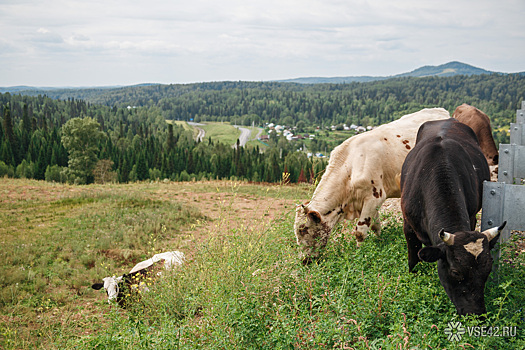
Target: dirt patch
x: 225, y: 213
x: 391, y: 206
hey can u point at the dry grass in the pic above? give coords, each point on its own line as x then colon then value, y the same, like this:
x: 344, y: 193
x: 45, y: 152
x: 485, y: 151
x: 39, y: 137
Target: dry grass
x: 58, y: 239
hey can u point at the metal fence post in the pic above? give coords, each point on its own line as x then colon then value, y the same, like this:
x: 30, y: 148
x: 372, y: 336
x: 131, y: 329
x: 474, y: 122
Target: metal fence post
x: 517, y: 134
x: 502, y: 200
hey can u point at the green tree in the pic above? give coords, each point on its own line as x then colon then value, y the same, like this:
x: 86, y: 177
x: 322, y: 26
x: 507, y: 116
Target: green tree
x: 170, y: 144
x: 10, y: 136
x: 142, y: 167
x: 80, y: 138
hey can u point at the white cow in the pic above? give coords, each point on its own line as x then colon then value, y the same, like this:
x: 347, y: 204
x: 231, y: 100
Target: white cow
x: 133, y: 279
x: 362, y: 173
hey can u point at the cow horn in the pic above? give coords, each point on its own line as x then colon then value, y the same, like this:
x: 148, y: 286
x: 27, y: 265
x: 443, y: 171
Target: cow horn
x: 492, y: 233
x: 446, y: 237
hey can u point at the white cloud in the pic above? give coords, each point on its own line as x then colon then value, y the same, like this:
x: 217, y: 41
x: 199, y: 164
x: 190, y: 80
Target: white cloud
x: 73, y: 42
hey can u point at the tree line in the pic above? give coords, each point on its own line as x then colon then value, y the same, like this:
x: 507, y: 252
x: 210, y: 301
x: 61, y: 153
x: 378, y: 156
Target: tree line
x: 134, y: 142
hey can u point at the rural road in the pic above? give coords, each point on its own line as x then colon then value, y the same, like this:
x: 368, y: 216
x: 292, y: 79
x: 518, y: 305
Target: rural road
x: 245, y: 135
x: 243, y: 138
x: 201, y: 131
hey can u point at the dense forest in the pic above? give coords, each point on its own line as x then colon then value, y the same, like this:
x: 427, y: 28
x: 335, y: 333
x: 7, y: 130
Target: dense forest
x: 73, y: 141
x: 124, y: 135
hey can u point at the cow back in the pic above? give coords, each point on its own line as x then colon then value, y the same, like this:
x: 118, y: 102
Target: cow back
x: 480, y: 123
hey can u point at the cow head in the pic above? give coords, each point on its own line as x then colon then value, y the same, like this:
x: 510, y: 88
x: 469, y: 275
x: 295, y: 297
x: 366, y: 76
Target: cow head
x: 464, y: 264
x: 311, y: 231
x: 111, y: 285
x: 121, y: 288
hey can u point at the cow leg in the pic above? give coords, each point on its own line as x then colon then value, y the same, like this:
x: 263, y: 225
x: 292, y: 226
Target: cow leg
x: 369, y: 219
x: 413, y: 245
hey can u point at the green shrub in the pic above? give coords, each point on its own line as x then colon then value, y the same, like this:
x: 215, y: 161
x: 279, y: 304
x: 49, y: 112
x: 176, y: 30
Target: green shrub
x: 25, y: 170
x: 55, y: 173
x: 6, y: 170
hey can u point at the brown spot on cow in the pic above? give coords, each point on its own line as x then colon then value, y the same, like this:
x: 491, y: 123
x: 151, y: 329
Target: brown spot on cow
x: 408, y: 146
x: 385, y: 139
x: 372, y: 181
x: 405, y: 142
x: 398, y: 135
x: 367, y: 222
x: 375, y: 193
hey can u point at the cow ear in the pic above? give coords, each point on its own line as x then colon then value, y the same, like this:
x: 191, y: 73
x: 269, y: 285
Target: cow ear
x: 431, y: 254
x: 97, y: 286
x: 314, y: 216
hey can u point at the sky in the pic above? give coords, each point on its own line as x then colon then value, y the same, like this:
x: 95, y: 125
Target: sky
x: 56, y: 43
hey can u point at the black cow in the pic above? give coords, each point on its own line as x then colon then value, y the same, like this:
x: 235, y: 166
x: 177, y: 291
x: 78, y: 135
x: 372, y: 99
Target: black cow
x: 441, y: 189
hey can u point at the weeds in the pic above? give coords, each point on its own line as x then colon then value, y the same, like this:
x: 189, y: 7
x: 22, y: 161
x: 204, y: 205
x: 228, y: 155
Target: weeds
x: 244, y: 286
x: 247, y: 289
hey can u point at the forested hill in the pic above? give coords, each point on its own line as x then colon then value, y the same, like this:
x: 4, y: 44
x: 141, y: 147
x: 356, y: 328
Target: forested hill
x: 139, y: 143
x: 445, y: 70
x: 370, y: 103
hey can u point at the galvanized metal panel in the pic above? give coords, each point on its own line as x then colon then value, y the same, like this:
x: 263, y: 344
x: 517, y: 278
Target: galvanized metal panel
x: 520, y: 116
x: 492, y: 213
x: 505, y: 167
x: 517, y: 134
x: 519, y: 162
x: 493, y: 200
x: 511, y: 163
x: 503, y: 202
x: 514, y: 208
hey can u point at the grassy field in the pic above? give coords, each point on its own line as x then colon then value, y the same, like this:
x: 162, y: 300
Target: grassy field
x: 222, y: 132
x: 242, y: 287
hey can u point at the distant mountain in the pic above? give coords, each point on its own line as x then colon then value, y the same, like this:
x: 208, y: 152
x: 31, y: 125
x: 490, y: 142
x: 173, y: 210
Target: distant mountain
x: 444, y: 70
x: 43, y: 89
x: 15, y: 89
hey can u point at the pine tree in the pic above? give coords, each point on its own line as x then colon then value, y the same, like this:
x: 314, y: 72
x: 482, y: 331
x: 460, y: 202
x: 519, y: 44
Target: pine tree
x: 170, y: 143
x: 10, y: 136
x: 41, y: 165
x: 302, y: 178
x: 142, y: 167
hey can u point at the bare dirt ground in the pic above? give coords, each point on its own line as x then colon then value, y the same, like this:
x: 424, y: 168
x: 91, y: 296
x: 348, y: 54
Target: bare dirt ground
x: 225, y: 212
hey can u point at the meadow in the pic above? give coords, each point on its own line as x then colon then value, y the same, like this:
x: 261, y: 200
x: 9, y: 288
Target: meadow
x: 243, y: 285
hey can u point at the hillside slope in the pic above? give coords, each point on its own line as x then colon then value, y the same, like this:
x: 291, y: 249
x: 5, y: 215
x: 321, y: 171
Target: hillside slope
x: 444, y: 70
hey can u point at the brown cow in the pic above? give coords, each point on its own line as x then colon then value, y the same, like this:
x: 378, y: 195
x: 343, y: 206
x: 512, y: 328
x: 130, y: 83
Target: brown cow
x: 480, y: 123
